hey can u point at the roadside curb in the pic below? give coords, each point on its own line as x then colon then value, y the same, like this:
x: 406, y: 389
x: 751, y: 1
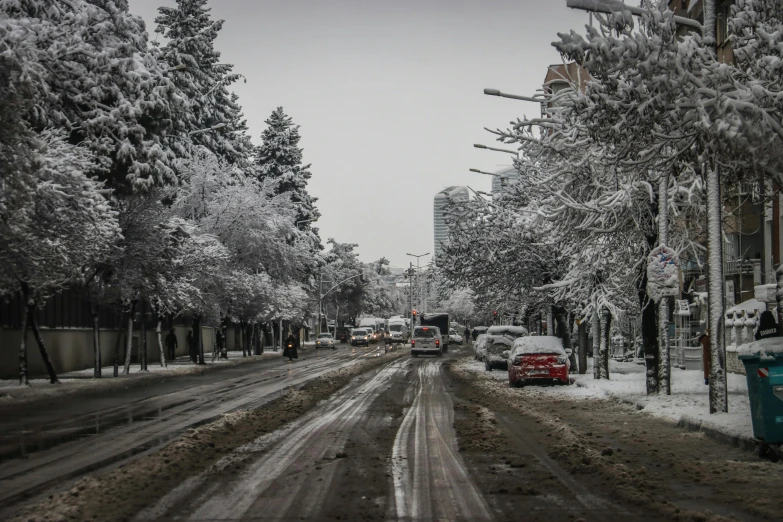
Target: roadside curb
x: 731, y: 439
x: 697, y: 425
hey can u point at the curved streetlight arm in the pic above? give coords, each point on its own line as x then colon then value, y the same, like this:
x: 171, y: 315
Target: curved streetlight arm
x: 341, y: 282
x: 508, y: 151
x: 495, y: 92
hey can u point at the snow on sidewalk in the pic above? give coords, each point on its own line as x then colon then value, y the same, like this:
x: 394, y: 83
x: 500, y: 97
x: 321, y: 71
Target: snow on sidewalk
x: 688, y: 403
x: 76, y: 381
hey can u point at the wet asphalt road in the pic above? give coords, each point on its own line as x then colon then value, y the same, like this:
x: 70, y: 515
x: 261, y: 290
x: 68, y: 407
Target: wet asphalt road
x: 412, y: 440
x: 45, y: 448
x: 385, y: 448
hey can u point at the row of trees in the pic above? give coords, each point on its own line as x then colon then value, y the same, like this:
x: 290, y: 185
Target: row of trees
x: 127, y: 169
x: 631, y: 158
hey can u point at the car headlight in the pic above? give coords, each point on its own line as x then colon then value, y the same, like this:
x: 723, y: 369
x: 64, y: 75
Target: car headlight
x: 353, y: 338
x: 562, y: 359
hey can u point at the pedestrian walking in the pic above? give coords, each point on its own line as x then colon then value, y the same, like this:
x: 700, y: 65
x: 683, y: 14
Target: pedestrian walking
x: 171, y: 344
x: 191, y: 340
x: 475, y: 334
x: 706, y: 357
x: 467, y: 334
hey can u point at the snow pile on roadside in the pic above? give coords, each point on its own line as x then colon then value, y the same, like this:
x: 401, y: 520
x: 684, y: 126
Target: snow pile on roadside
x: 688, y: 402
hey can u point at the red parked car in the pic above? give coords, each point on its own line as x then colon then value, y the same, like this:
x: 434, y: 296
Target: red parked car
x: 538, y: 359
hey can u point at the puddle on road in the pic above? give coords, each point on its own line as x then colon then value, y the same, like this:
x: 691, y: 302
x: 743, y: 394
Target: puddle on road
x: 20, y: 444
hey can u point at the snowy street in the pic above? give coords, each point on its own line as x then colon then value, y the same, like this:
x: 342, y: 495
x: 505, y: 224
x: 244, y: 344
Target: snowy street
x: 415, y: 439
x: 46, y: 446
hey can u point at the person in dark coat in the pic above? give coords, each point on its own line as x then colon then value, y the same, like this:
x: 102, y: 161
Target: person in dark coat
x: 221, y: 343
x: 706, y: 356
x: 171, y: 344
x: 292, y: 352
x: 475, y: 334
x: 768, y: 327
x: 191, y: 339
x: 466, y: 335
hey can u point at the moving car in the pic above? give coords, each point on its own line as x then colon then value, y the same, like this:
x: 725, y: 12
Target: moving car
x: 439, y: 320
x: 325, y: 340
x: 426, y: 341
x: 360, y: 336
x: 539, y: 358
x: 454, y: 337
x: 398, y: 332
x: 496, y: 351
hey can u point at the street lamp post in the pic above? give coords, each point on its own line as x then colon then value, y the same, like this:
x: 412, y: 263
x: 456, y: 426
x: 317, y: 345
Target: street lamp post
x: 418, y: 257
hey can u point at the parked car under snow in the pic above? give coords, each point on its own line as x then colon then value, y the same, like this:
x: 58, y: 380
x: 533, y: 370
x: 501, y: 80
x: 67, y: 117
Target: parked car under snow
x: 539, y: 358
x: 496, y: 352
x: 479, y: 347
x: 511, y: 331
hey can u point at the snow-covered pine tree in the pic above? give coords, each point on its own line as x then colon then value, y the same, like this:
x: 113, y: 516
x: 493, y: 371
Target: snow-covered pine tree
x: 191, y: 34
x: 89, y: 72
x: 279, y: 159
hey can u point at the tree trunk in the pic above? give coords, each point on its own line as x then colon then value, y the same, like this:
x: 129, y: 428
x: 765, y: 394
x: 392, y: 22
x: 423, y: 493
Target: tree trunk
x: 143, y: 340
x: 159, y: 337
x: 664, y: 347
x: 718, y: 392
x: 582, y: 337
x: 96, y: 340
x: 41, y: 346
x: 23, y: 373
x: 550, y: 326
x: 199, y: 339
x: 664, y: 363
x: 563, y: 331
x: 117, y: 345
x: 595, y: 328
x: 129, y: 338
x: 237, y: 337
x: 606, y: 332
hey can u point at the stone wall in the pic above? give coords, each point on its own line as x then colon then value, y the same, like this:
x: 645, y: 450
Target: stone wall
x: 71, y: 349
x: 733, y: 364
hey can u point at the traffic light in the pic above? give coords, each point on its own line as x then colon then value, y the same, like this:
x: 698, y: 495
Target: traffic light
x: 414, y: 313
x: 494, y: 316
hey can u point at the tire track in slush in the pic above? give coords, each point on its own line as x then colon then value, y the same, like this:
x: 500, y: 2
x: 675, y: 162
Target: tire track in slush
x: 430, y: 478
x: 269, y: 488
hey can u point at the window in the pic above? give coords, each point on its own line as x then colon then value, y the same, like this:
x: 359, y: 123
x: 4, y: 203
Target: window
x: 722, y: 22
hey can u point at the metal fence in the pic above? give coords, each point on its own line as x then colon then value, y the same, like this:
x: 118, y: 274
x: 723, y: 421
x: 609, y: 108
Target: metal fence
x: 68, y: 309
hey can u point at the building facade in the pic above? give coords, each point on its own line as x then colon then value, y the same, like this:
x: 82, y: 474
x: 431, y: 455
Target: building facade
x: 441, y: 229
x: 503, y: 178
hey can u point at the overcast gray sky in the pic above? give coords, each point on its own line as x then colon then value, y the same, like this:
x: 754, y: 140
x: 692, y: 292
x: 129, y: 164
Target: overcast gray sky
x: 388, y: 94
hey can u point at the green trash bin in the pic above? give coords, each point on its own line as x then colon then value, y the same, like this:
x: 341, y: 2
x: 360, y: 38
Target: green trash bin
x: 763, y: 362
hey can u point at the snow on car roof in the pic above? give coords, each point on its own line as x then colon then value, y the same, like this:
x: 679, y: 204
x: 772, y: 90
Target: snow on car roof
x: 501, y: 329
x: 538, y: 344
x: 500, y: 339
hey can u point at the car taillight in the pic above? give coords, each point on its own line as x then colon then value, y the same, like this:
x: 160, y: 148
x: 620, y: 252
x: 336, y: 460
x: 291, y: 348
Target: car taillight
x: 413, y: 342
x: 437, y: 342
